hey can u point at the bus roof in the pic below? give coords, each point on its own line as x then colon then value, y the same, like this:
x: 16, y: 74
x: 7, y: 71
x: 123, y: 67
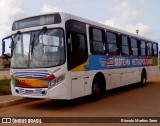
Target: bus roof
x: 96, y: 24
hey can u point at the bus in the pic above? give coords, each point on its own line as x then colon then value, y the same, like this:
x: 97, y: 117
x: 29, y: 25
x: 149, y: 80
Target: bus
x: 62, y: 56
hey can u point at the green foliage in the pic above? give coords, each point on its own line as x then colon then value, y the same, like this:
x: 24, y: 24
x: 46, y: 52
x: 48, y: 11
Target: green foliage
x: 155, y: 61
x: 5, y: 87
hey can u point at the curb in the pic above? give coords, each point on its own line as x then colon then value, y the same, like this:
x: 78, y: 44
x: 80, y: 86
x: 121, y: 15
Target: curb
x: 14, y: 102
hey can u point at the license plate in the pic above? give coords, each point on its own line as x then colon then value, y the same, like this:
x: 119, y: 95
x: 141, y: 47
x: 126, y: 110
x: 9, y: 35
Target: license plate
x: 29, y: 92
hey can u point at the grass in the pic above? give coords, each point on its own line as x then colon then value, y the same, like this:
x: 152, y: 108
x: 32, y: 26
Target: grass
x: 5, y: 69
x: 5, y: 87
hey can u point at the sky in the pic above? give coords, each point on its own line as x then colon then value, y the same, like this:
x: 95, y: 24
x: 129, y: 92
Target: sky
x: 128, y: 15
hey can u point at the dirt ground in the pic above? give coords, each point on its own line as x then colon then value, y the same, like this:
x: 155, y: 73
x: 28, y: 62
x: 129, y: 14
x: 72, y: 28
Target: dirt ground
x: 5, y: 74
x: 129, y: 101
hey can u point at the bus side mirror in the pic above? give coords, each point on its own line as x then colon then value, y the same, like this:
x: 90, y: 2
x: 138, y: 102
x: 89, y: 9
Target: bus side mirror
x: 4, y: 44
x: 3, y: 47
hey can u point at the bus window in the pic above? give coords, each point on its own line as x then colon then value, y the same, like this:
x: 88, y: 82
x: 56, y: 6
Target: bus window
x: 143, y: 48
x: 76, y: 43
x: 149, y: 48
x: 134, y: 46
x: 82, y: 45
x: 155, y: 49
x: 125, y: 45
x: 112, y: 43
x: 97, y: 41
x: 77, y: 50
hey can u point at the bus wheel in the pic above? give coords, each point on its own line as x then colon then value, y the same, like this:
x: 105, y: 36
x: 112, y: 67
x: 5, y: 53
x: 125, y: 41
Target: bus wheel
x: 143, y: 78
x: 96, y: 90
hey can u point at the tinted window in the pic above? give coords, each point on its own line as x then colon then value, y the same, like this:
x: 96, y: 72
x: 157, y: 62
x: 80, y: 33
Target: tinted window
x: 111, y: 37
x: 155, y: 49
x: 125, y: 40
x: 125, y: 45
x: 112, y: 47
x: 149, y: 49
x: 134, y: 42
x: 97, y: 34
x: 134, y: 46
x: 125, y: 50
x: 98, y: 47
x: 135, y: 51
x: 143, y: 52
x: 143, y: 44
x: 97, y: 41
x: 143, y: 48
x: 82, y: 45
x: 77, y: 52
x: 149, y: 45
x: 155, y: 46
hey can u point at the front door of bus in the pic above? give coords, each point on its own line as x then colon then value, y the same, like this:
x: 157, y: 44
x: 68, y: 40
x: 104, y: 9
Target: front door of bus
x: 77, y: 55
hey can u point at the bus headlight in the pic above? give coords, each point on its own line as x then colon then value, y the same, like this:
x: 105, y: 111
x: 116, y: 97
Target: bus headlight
x: 53, y: 82
x: 56, y: 81
x: 60, y: 79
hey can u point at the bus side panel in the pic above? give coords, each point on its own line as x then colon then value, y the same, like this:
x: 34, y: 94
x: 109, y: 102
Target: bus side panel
x: 108, y: 80
x: 152, y: 71
x: 77, y: 87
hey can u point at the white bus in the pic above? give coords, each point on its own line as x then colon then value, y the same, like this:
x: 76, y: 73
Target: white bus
x: 62, y: 56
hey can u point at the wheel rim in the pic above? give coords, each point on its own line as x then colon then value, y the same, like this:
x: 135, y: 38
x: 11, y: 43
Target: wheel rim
x: 96, y: 88
x: 144, y: 80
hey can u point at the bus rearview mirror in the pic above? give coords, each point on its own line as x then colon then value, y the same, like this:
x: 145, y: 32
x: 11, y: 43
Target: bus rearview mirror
x: 3, y: 47
x: 4, y: 44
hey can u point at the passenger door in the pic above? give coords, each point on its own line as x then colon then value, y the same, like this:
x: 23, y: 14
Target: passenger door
x: 77, y: 55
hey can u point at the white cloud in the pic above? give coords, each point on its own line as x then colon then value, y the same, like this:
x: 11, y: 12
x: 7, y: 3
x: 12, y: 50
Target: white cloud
x: 9, y: 11
x: 124, y: 15
x: 4, y: 29
x: 124, y: 11
x: 47, y: 9
x: 142, y: 1
x: 114, y: 22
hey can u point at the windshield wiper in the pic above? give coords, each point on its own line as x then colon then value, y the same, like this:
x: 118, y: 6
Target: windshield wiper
x: 41, y: 32
x: 13, y: 43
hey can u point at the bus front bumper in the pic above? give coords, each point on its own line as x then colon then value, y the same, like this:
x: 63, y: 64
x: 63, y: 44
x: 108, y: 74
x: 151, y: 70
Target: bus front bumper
x: 58, y: 92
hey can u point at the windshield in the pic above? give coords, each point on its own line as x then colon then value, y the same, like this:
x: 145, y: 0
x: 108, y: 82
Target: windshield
x: 47, y: 50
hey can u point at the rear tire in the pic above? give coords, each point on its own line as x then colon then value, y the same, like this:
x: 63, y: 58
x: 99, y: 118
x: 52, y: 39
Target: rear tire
x: 143, y: 78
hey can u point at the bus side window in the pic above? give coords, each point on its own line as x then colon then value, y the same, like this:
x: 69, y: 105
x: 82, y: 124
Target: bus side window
x: 134, y: 46
x: 97, y: 41
x: 125, y: 45
x: 112, y: 48
x: 149, y: 49
x: 143, y: 48
x: 155, y: 49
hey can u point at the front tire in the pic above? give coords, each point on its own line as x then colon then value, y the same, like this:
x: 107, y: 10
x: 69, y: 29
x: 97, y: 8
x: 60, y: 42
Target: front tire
x: 96, y: 90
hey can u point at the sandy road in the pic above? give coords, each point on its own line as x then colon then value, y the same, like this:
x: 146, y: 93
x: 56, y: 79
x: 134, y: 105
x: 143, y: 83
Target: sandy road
x: 130, y: 101
x: 4, y: 74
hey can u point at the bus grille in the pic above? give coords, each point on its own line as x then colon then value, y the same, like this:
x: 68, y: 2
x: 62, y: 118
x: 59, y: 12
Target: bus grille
x: 39, y: 91
x: 39, y: 74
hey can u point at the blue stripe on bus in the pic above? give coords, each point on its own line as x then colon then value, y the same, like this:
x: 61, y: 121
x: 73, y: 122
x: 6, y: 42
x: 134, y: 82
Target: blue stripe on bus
x: 98, y: 62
